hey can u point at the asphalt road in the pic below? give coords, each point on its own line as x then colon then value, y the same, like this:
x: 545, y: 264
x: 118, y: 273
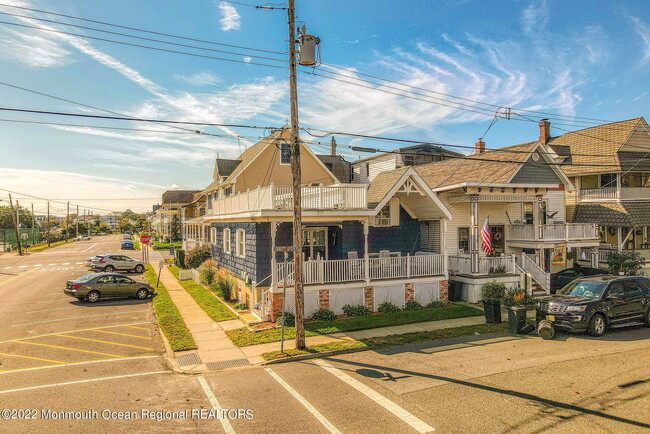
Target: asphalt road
x: 110, y: 356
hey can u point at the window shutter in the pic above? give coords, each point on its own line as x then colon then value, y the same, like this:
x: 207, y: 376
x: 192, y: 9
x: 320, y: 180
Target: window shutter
x: 394, y: 212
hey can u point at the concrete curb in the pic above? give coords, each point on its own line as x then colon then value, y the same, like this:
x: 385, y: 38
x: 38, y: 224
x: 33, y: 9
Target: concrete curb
x: 312, y: 356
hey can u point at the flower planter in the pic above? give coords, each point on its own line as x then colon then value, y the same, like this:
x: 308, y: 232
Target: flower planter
x: 492, y: 309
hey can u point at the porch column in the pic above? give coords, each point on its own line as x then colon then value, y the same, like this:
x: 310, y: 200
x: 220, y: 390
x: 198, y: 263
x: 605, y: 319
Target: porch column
x: 595, y: 259
x: 619, y: 238
x: 538, y: 217
x: 183, y: 235
x: 474, y: 235
x: 540, y: 258
x: 274, y: 277
x: 366, y: 262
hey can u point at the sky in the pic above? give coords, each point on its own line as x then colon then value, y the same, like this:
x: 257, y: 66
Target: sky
x: 570, y: 59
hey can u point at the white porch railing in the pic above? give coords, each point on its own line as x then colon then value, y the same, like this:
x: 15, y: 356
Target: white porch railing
x: 555, y: 232
x: 614, y: 193
x: 280, y: 197
x: 462, y: 264
x: 541, y: 277
x: 354, y: 270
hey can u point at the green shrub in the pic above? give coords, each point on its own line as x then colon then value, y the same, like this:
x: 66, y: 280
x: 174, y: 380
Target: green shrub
x: 493, y: 290
x: 323, y: 315
x: 197, y: 256
x: 206, y: 275
x: 289, y: 319
x: 435, y: 304
x: 501, y: 269
x: 413, y: 305
x: 388, y: 307
x: 240, y: 306
x: 357, y: 310
x: 629, y: 263
x: 179, y: 258
x: 224, y: 284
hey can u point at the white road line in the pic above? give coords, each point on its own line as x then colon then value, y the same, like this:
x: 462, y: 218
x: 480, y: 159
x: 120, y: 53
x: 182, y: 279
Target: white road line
x: 37, y: 265
x: 66, y: 263
x: 416, y: 423
x: 7, y: 268
x: 51, y: 264
x: 16, y: 371
x: 225, y: 423
x: 22, y: 266
x: 44, y: 386
x: 115, y: 303
x: 317, y: 414
x: 78, y: 317
x: 90, y: 248
x: 73, y: 331
x: 78, y: 263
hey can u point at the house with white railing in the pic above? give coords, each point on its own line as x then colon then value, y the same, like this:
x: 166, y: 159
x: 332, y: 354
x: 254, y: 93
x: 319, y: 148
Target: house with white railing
x: 520, y: 191
x: 361, y: 243
x: 609, y: 166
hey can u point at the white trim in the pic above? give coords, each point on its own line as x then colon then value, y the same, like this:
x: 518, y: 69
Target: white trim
x: 493, y: 184
x: 240, y: 251
x: 225, y: 240
x: 551, y: 162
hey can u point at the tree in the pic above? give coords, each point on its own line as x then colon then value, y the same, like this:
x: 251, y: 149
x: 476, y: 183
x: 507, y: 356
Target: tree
x: 8, y: 217
x: 175, y: 229
x: 124, y: 225
x: 627, y: 262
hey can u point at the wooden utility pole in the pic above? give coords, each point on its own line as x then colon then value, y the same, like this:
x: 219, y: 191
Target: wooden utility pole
x: 77, y: 221
x: 11, y: 204
x: 295, y: 172
x: 48, y: 224
x: 67, y: 223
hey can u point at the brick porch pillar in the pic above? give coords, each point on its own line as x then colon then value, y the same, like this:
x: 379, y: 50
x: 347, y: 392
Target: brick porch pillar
x: 409, y: 292
x: 276, y: 305
x: 444, y: 291
x: 324, y: 298
x: 369, y: 297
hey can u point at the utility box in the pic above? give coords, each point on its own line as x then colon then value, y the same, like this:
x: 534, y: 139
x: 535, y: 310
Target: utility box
x: 307, y: 56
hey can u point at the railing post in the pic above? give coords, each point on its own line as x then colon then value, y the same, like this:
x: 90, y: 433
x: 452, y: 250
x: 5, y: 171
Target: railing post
x: 366, y: 258
x: 445, y: 265
x: 408, y: 265
x: 514, y: 264
x: 321, y: 265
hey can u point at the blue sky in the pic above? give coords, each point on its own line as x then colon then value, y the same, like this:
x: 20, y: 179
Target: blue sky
x: 579, y: 58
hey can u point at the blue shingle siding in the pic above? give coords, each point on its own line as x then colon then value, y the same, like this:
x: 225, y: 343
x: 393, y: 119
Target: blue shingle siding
x: 263, y: 254
x: 536, y: 172
x: 403, y: 238
x: 231, y: 261
x: 352, y: 239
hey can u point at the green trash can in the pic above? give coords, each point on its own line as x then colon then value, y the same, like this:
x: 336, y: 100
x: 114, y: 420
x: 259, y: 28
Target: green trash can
x: 516, y: 319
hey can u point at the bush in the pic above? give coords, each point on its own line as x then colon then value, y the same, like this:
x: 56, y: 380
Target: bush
x: 206, y: 275
x: 323, y: 315
x: 629, y: 263
x: 413, y: 305
x: 179, y: 258
x: 493, y: 290
x: 388, y: 307
x: 289, y: 319
x: 223, y: 285
x: 197, y: 256
x: 501, y: 269
x: 357, y: 310
x: 240, y: 306
x: 518, y: 297
x: 435, y: 304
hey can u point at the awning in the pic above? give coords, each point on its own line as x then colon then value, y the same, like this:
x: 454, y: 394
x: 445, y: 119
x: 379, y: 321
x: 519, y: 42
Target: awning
x: 627, y: 214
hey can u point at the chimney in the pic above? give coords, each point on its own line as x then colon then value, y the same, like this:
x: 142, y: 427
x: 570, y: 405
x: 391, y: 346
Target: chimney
x: 544, y: 131
x: 479, y: 146
x: 333, y: 146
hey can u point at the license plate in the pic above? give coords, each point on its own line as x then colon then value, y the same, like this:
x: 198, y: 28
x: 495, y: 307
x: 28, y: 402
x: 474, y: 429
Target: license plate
x: 550, y: 317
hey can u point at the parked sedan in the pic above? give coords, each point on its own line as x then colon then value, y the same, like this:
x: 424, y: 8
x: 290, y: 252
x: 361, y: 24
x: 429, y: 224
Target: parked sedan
x: 564, y: 277
x: 93, y: 287
x: 82, y: 238
x: 593, y: 304
x: 127, y: 245
x: 113, y: 262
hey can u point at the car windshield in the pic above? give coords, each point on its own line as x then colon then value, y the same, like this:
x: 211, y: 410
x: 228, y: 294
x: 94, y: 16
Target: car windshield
x: 86, y: 278
x: 584, y: 288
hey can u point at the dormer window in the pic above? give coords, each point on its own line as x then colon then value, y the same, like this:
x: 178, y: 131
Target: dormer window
x: 285, y: 153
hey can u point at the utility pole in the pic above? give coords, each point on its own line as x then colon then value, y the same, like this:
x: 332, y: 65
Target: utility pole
x: 67, y: 223
x: 33, y: 222
x: 48, y: 223
x: 295, y: 172
x: 20, y: 249
x: 77, y: 221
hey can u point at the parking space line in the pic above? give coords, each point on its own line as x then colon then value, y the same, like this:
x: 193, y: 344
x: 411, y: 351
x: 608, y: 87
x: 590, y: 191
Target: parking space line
x: 30, y: 357
x: 67, y: 383
x: 69, y: 349
x: 225, y: 423
x: 403, y: 414
x: 123, y: 334
x: 72, y: 331
x: 76, y: 363
x: 317, y: 414
x: 105, y: 342
x: 18, y: 276
x: 75, y: 317
x: 134, y: 327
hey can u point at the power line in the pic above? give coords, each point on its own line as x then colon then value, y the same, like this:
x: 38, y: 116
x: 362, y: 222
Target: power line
x: 55, y: 201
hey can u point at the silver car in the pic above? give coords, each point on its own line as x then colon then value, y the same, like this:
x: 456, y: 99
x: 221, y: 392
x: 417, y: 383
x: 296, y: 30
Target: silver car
x: 114, y: 262
x: 93, y: 287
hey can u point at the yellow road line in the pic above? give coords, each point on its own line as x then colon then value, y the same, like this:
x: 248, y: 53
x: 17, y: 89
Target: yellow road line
x: 69, y: 331
x: 121, y: 334
x: 134, y: 327
x: 70, y: 349
x: 33, y: 358
x: 104, y: 342
x: 76, y: 363
x: 20, y: 275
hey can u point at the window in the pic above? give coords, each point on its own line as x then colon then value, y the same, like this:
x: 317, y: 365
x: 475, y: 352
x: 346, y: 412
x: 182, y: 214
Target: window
x: 213, y: 235
x: 285, y: 153
x: 226, y: 240
x: 463, y: 240
x: 383, y: 218
x: 314, y: 243
x: 389, y: 214
x: 608, y: 180
x: 240, y: 243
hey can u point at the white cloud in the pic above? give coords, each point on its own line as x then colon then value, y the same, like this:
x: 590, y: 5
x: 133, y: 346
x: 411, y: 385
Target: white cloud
x: 535, y: 18
x: 34, y: 50
x: 643, y: 31
x: 247, y: 59
x: 205, y: 78
x: 230, y: 19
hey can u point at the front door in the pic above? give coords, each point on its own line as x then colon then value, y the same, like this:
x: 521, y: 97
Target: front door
x: 314, y: 243
x: 498, y: 234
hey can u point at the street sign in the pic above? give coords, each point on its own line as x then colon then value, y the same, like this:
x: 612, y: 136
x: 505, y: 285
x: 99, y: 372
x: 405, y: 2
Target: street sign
x: 24, y: 236
x: 144, y: 239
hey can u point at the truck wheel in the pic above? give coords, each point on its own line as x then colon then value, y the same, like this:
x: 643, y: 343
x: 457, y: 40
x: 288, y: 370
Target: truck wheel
x: 597, y: 325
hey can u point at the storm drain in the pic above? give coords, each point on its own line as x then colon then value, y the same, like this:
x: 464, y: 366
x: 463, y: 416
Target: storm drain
x: 228, y: 364
x: 191, y: 359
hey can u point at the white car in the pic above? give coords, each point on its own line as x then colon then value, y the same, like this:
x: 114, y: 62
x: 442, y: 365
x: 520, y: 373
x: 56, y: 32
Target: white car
x: 82, y: 238
x: 114, y: 262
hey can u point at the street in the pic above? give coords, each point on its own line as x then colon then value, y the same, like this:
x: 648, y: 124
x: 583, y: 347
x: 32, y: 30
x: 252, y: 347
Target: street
x: 60, y: 354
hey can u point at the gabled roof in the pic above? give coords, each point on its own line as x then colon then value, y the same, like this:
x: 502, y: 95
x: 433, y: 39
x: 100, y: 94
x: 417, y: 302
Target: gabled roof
x: 598, y: 149
x: 424, y: 149
x: 224, y: 167
x: 178, y: 196
x: 251, y: 153
x: 625, y: 214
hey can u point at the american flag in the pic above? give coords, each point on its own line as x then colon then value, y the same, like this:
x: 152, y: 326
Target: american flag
x: 486, y: 237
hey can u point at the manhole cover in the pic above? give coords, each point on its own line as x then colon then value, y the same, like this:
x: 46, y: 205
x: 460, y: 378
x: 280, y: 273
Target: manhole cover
x: 191, y: 359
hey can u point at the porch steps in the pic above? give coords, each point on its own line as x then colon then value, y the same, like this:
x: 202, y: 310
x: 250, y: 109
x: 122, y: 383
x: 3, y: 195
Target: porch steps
x: 251, y: 318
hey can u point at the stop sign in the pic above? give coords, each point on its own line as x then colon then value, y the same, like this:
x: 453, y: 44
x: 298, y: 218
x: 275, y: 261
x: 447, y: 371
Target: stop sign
x: 144, y: 239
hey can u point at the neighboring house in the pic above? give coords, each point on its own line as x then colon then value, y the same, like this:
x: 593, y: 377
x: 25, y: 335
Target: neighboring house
x: 365, y: 170
x: 172, y: 201
x: 111, y: 220
x: 610, y: 168
x: 360, y: 242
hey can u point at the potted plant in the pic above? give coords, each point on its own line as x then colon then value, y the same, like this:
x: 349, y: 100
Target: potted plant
x: 492, y: 293
x: 517, y: 312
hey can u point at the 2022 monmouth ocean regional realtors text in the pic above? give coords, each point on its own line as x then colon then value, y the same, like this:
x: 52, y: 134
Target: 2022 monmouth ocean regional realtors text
x: 107, y: 414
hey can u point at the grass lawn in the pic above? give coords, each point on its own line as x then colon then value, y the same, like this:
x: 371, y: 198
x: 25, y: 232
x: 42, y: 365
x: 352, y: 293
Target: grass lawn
x: 386, y: 341
x: 40, y: 247
x: 242, y: 337
x: 215, y: 309
x: 170, y: 320
x: 158, y: 245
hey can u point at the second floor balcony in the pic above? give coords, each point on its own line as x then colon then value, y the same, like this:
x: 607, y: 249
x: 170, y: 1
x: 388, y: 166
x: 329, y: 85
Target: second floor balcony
x: 614, y: 194
x: 554, y: 233
x: 280, y: 198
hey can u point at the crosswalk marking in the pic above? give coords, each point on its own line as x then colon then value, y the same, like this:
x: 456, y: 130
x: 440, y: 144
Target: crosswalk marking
x: 8, y: 268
